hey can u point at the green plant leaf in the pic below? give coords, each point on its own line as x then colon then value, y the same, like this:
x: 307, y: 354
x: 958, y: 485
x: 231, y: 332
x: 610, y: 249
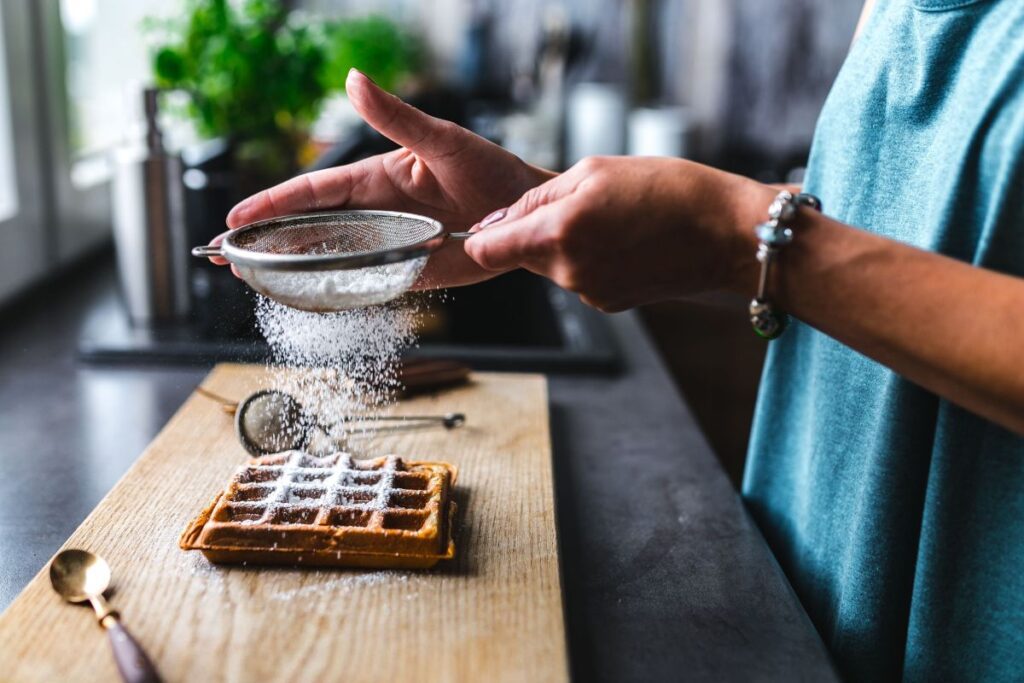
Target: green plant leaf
x: 257, y: 73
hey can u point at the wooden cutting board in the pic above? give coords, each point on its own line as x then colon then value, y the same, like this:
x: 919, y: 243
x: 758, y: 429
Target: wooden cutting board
x: 494, y: 613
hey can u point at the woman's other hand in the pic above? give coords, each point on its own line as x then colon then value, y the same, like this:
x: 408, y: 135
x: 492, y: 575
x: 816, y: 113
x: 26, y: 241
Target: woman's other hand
x: 624, y: 231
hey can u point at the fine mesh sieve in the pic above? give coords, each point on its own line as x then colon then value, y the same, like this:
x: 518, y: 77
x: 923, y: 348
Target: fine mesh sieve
x: 335, y: 260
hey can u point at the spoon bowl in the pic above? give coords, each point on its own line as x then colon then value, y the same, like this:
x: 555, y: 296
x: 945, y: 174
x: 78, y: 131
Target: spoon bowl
x: 78, y: 574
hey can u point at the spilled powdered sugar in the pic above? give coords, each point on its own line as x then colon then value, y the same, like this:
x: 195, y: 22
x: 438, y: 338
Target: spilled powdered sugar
x: 337, y: 365
x: 216, y: 583
x: 320, y: 582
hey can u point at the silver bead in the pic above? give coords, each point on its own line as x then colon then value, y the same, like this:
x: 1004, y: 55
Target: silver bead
x: 782, y: 208
x: 784, y: 212
x: 772, y: 236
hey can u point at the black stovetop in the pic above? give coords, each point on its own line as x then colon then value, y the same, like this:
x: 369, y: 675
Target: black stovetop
x: 516, y: 322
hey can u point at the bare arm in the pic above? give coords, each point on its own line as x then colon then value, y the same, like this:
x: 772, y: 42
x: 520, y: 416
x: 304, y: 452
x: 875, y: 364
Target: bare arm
x: 623, y: 232
x: 950, y: 327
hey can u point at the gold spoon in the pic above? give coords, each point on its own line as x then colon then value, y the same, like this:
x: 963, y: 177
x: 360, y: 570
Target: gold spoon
x: 80, y: 576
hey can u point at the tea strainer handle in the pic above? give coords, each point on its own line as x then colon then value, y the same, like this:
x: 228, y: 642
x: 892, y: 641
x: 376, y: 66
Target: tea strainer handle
x: 207, y: 250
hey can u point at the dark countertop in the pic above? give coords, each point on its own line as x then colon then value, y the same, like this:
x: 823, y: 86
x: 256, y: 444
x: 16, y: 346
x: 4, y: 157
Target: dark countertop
x: 665, y: 575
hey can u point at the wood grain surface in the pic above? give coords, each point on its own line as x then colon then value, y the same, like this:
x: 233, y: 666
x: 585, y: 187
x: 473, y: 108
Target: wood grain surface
x: 494, y: 613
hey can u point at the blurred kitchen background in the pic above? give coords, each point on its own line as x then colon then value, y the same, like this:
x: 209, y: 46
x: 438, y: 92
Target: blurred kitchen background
x: 128, y: 128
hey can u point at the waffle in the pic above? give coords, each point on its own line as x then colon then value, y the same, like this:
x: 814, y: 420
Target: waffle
x: 294, y: 508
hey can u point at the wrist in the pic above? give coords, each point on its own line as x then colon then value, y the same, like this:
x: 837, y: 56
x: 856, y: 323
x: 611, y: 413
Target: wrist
x: 747, y: 206
x: 767, y: 316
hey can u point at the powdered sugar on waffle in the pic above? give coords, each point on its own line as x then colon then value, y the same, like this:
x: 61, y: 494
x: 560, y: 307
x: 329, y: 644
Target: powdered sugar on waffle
x: 300, y: 484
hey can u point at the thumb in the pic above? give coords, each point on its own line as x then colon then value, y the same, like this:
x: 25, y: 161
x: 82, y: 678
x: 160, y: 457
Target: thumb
x: 523, y: 239
x: 421, y: 134
x: 527, y: 230
x: 533, y: 199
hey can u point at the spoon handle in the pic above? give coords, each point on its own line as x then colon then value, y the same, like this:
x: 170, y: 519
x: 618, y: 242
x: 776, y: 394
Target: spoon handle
x: 132, y: 661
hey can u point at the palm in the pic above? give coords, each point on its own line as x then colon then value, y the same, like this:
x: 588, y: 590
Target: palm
x: 458, y: 189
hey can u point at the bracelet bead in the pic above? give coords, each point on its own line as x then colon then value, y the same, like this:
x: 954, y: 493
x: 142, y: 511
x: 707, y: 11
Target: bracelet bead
x: 766, y: 321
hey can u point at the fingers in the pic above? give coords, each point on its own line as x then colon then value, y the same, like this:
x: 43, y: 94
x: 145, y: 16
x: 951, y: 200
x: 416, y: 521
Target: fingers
x: 330, y: 187
x: 451, y: 266
x: 526, y: 232
x: 219, y: 260
x: 424, y: 135
x: 533, y: 199
x: 514, y: 242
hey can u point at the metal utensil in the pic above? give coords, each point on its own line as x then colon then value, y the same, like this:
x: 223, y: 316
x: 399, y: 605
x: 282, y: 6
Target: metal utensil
x: 335, y: 260
x: 80, y: 576
x: 271, y: 421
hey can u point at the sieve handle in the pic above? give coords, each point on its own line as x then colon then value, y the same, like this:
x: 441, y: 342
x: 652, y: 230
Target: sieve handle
x: 460, y: 236
x: 206, y: 251
x: 449, y: 420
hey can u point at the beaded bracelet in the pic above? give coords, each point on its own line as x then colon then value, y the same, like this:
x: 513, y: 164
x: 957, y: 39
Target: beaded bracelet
x: 772, y: 236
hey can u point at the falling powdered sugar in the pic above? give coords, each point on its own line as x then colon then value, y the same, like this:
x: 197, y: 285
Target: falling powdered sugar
x: 337, y: 364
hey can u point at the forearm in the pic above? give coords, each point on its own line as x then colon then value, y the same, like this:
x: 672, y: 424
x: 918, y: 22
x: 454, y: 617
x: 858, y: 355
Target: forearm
x: 947, y: 326
x: 950, y: 327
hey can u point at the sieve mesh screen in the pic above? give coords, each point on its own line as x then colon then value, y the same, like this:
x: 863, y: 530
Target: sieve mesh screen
x: 336, y: 234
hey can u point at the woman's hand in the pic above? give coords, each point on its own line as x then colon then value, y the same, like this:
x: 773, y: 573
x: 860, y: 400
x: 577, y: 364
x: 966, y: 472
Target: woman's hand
x: 442, y: 171
x: 624, y: 231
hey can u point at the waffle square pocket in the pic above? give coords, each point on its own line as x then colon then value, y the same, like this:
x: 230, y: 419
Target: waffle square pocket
x: 292, y: 508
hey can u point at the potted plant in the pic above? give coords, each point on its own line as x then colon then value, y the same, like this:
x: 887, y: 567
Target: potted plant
x: 376, y: 46
x: 256, y: 74
x: 253, y: 75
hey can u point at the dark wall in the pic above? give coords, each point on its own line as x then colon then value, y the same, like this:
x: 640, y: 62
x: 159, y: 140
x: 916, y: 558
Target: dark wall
x: 759, y: 79
x: 755, y: 71
x: 785, y: 55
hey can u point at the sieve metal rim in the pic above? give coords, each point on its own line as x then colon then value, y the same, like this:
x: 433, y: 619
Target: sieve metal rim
x: 313, y: 262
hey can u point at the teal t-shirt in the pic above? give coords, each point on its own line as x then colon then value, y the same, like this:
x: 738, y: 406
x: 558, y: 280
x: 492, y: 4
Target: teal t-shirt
x: 898, y: 516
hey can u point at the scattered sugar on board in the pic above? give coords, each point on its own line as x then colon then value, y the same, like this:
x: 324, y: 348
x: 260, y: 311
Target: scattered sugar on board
x: 217, y: 582
x: 320, y: 583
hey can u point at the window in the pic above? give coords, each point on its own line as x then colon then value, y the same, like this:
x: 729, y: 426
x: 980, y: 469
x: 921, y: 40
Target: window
x: 8, y: 188
x: 106, y: 68
x: 23, y: 241
x: 63, y: 67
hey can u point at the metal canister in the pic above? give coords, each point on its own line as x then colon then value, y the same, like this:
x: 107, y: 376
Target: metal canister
x: 149, y: 226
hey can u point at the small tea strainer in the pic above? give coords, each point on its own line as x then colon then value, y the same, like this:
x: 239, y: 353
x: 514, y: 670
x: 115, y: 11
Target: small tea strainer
x: 271, y: 421
x: 335, y: 260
